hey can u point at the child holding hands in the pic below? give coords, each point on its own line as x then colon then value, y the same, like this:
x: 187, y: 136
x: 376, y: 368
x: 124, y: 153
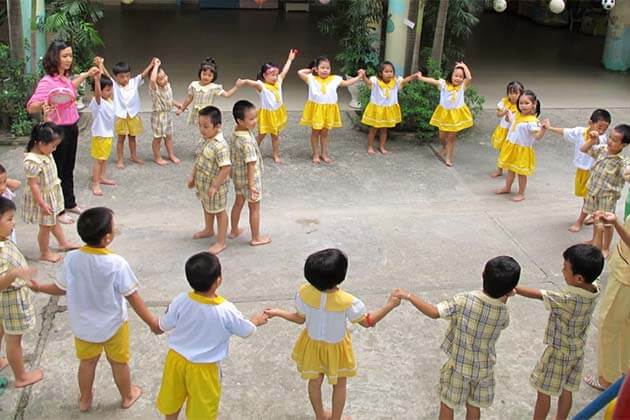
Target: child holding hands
x: 103, y: 115
x: 161, y: 117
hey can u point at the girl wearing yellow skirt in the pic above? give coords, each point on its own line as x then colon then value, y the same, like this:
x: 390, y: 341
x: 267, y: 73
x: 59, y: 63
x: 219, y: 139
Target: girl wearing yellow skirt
x: 324, y: 348
x: 452, y: 114
x: 517, y: 152
x: 383, y: 111
x: 321, y: 111
x: 272, y: 114
x: 506, y: 108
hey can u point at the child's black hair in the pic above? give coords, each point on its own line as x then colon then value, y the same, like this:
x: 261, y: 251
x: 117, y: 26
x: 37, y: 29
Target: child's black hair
x: 202, y: 271
x: 211, y: 112
x: 209, y: 64
x: 94, y: 224
x: 500, y: 276
x: 600, y: 115
x: 240, y: 108
x: 514, y: 86
x: 318, y: 60
x: 6, y: 205
x: 624, y: 130
x: 449, y: 76
x: 326, y: 269
x: 2, y: 170
x: 264, y: 69
x: 121, y: 67
x: 586, y: 261
x: 381, y: 68
x: 531, y: 95
x: 105, y: 81
x: 44, y: 133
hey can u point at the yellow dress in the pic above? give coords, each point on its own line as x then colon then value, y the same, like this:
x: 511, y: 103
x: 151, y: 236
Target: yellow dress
x: 321, y: 110
x: 501, y: 131
x: 452, y: 113
x: 517, y: 152
x: 272, y: 115
x: 383, y: 111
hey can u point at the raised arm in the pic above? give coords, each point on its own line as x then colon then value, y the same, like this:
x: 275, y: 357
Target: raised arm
x: 295, y: 317
x: 256, y: 84
x: 287, y: 65
x: 372, y: 318
x: 467, y: 74
x: 304, y: 73
x: 97, y: 87
x: 408, y: 79
x: 529, y: 292
x: 77, y: 81
x: 429, y: 80
x: 353, y: 80
x: 100, y: 63
x: 423, y: 306
x: 148, y: 68
x: 593, y: 139
x: 154, y: 74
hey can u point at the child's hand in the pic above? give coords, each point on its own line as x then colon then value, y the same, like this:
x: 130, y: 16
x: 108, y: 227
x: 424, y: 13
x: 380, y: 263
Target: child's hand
x: 254, y: 194
x: 191, y: 182
x: 178, y: 111
x: 46, y: 209
x: 239, y: 83
x: 361, y: 73
x: 33, y: 285
x: 25, y: 273
x: 98, y: 61
x: 401, y: 293
x: 93, y: 71
x: 155, y: 326
x: 605, y: 217
x: 212, y: 191
x: 271, y: 313
x: 545, y: 123
x: 393, y: 301
x: 292, y: 54
x: 157, y: 62
x: 593, y: 135
x: 418, y: 75
x: 259, y: 319
x: 508, y: 115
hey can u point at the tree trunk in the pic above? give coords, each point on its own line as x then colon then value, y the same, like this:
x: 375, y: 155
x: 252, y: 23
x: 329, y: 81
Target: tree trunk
x: 14, y: 20
x: 34, y: 36
x: 415, y: 58
x: 440, y: 29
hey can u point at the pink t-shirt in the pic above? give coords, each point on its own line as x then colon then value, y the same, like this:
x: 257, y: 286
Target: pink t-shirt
x: 65, y: 114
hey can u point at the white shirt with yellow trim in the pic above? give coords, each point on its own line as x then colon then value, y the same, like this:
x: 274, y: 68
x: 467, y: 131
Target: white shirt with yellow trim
x: 577, y: 136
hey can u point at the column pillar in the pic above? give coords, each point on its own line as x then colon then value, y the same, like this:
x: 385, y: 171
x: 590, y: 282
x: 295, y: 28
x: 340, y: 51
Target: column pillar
x: 617, y: 48
x: 396, y: 34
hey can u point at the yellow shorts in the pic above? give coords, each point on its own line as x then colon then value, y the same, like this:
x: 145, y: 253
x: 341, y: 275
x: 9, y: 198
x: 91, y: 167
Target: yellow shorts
x: 116, y: 348
x: 197, y: 384
x: 131, y: 126
x: 101, y: 147
x: 581, y: 178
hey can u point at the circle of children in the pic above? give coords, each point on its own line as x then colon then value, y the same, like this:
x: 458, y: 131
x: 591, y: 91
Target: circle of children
x: 98, y: 284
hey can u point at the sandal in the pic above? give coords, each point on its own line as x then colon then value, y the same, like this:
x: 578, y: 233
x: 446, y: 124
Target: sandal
x: 65, y: 219
x: 75, y: 210
x: 593, y: 382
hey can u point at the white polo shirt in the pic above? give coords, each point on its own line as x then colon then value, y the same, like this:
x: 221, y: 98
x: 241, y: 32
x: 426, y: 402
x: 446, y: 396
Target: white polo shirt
x: 102, y: 118
x: 200, y: 327
x: 577, y: 136
x: 96, y: 283
x: 127, y: 98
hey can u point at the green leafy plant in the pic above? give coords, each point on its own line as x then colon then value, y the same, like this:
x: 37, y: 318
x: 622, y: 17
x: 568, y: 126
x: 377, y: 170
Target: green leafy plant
x: 16, y: 87
x: 354, y: 24
x: 73, y: 21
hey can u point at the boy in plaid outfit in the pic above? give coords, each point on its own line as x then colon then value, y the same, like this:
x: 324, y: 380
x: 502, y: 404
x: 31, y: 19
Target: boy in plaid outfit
x: 560, y: 367
x: 476, y: 321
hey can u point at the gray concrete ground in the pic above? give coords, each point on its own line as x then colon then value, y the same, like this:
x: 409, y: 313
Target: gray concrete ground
x: 405, y: 220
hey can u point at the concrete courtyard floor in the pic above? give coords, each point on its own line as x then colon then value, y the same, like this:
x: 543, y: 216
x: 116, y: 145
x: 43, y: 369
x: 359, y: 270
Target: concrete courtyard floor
x: 405, y: 220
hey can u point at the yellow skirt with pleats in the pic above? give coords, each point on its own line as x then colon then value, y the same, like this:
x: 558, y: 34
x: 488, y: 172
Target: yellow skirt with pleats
x: 451, y: 120
x: 517, y: 158
x: 498, y: 137
x: 272, y: 121
x: 319, y: 116
x: 381, y: 116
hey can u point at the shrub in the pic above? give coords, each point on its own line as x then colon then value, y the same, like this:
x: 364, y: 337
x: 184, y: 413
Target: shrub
x: 16, y: 87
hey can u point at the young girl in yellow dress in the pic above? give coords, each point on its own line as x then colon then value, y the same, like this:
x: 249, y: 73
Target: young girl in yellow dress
x: 383, y: 111
x: 324, y: 348
x: 43, y: 200
x: 452, y: 114
x: 517, y: 154
x: 506, y: 109
x: 272, y: 115
x: 321, y: 111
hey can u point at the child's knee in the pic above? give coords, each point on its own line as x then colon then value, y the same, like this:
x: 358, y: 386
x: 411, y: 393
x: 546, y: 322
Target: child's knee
x: 90, y: 363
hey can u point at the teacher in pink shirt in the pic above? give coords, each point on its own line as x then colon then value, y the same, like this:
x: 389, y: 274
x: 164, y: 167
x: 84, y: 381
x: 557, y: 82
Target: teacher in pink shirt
x: 58, y: 66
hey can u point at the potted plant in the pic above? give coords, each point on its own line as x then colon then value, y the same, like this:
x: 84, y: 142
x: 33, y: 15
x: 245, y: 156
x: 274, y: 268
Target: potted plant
x: 354, y: 23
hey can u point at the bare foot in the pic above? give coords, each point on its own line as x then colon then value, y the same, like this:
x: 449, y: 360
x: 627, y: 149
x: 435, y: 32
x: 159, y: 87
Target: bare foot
x: 174, y: 159
x: 30, y: 378
x: 277, y: 160
x: 327, y: 415
x: 316, y: 159
x: 442, y: 153
x: 371, y: 151
x: 576, y: 227
x: 120, y: 165
x: 383, y: 150
x: 235, y: 233
x: 160, y: 162
x: 68, y: 247
x: 326, y: 159
x: 448, y: 163
x: 107, y: 181
x: 3, y: 362
x: 587, y: 242
x: 262, y: 240
x: 502, y: 191
x: 203, y: 234
x: 216, y: 248
x: 517, y: 198
x: 496, y: 174
x: 85, y: 403
x: 135, y: 159
x: 50, y: 257
x: 131, y: 399
x: 96, y: 190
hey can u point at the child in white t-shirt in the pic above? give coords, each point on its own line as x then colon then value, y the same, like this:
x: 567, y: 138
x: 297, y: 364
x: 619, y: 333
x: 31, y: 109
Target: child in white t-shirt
x: 102, y: 108
x: 192, y: 372
x: 96, y: 284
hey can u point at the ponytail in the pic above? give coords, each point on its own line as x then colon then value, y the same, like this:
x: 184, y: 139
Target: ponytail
x: 44, y: 133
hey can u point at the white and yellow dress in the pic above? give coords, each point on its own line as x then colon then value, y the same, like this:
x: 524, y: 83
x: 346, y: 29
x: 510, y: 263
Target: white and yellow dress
x: 517, y: 153
x: 383, y: 111
x: 321, y: 109
x: 501, y: 131
x: 324, y: 347
x: 452, y: 114
x: 272, y: 115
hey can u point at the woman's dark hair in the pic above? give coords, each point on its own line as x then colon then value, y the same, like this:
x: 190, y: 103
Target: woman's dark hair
x: 315, y: 63
x: 514, y: 86
x: 209, y: 64
x: 44, y: 133
x: 381, y: 69
x: 51, y: 58
x: 264, y: 69
x: 531, y: 95
x: 449, y: 76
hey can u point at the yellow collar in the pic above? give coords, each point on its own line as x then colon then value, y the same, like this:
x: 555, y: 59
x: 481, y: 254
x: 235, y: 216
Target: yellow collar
x: 95, y: 251
x: 323, y: 82
x: 509, y: 105
x: 520, y: 118
x: 386, y: 87
x: 206, y: 300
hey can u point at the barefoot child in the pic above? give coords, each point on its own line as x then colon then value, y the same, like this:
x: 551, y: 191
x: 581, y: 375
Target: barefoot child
x: 452, y: 114
x: 517, y: 154
x: 599, y: 121
x: 560, y: 367
x: 102, y: 108
x: 506, y: 109
x: 321, y: 111
x: 324, y: 348
x: 161, y: 117
x: 210, y: 175
x: 8, y: 186
x: 272, y: 115
x: 17, y: 312
x: 97, y: 285
x: 192, y: 371
x: 42, y: 199
x: 607, y: 177
x: 476, y: 321
x: 247, y: 168
x: 383, y: 111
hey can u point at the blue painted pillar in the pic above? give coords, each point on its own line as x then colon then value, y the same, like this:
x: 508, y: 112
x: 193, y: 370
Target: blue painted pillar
x: 617, y: 48
x: 396, y: 34
x: 40, y: 39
